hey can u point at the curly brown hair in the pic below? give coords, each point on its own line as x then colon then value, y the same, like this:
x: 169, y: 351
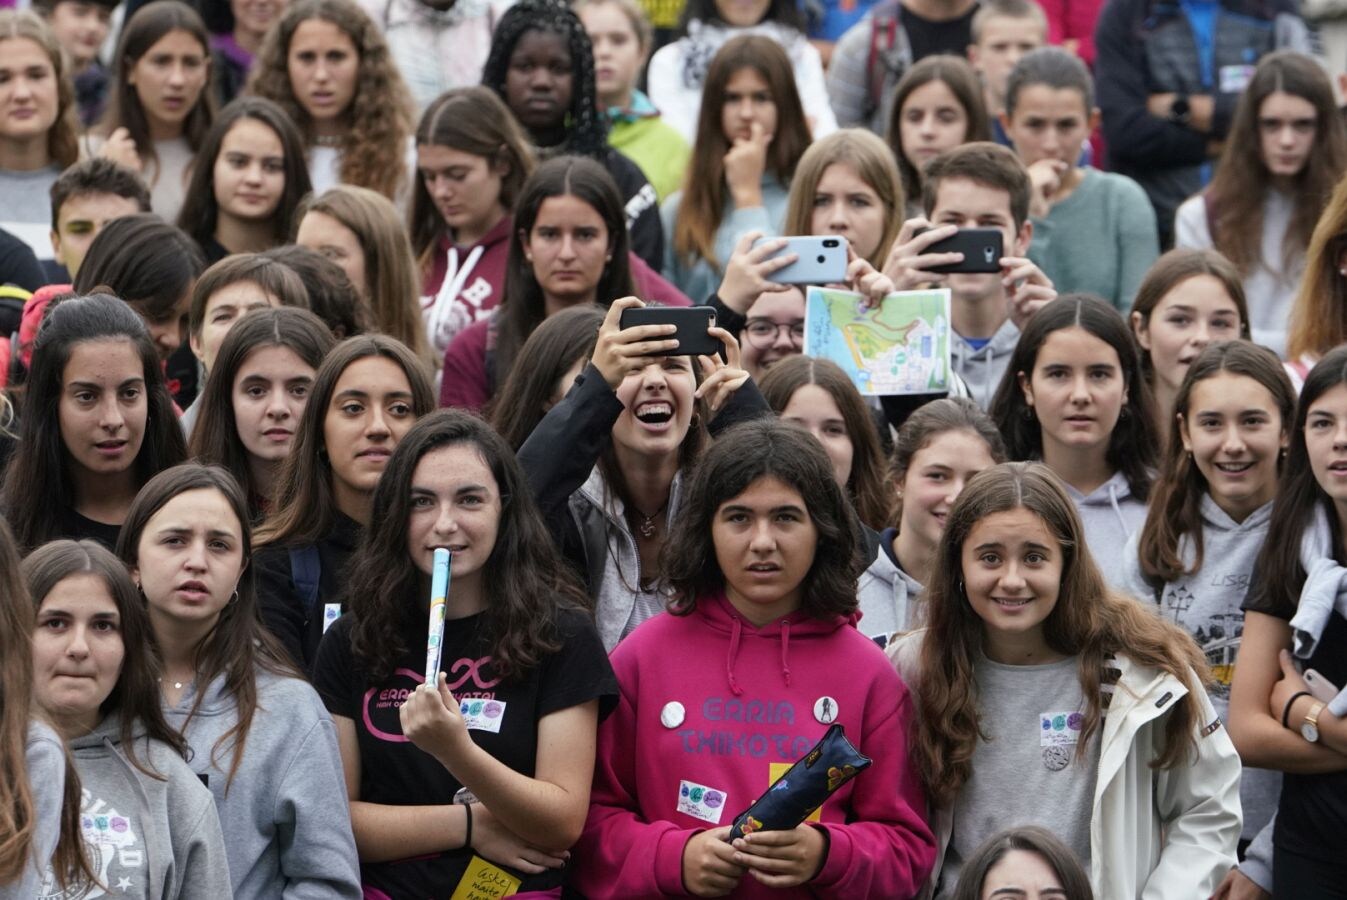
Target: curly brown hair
x: 374, y: 147
x: 1088, y: 622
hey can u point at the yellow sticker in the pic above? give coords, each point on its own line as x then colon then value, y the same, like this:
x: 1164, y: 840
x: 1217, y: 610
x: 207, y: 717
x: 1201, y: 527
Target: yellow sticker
x: 775, y: 771
x: 484, y: 881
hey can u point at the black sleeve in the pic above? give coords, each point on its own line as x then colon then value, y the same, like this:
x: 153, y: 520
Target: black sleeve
x: 579, y: 671
x: 1260, y: 599
x: 744, y: 405
x: 1133, y: 134
x: 334, y: 672
x: 727, y: 318
x: 281, y: 607
x: 642, y: 207
x: 18, y: 264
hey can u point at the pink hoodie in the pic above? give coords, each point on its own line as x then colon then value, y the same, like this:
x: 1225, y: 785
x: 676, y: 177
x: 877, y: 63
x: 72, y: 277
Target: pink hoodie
x: 714, y: 708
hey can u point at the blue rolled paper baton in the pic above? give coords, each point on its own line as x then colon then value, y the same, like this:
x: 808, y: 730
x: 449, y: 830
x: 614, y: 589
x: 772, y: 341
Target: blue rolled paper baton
x: 439, y: 595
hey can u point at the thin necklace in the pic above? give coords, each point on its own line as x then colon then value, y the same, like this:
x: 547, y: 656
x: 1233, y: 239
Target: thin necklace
x: 327, y: 140
x: 647, y: 525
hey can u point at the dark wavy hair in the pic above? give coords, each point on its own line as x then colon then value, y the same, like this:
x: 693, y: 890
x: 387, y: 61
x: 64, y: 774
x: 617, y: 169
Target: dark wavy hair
x: 135, y: 696
x: 38, y: 482
x: 239, y: 646
x: 1279, y: 573
x: 215, y: 439
x: 332, y: 297
x: 1175, y: 510
x: 146, y: 27
x: 201, y: 211
x: 305, y: 507
x: 524, y: 307
x: 1088, y: 621
x: 586, y: 127
x: 1132, y: 446
x: 143, y: 260
x: 866, y: 483
x: 525, y: 581
x: 555, y: 345
x: 1041, y: 842
x: 744, y: 454
x: 471, y: 120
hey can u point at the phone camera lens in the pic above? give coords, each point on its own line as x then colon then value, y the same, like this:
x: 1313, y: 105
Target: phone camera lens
x: 821, y: 258
x: 829, y: 243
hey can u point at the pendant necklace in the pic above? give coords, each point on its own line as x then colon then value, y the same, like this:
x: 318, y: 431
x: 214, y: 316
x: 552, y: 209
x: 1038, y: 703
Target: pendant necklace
x: 647, y: 526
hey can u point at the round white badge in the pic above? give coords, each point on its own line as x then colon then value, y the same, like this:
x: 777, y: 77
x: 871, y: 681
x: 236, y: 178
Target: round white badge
x: 672, y: 715
x: 825, y: 710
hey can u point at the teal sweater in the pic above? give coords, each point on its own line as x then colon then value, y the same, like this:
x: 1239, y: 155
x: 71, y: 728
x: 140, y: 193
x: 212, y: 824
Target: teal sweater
x: 1099, y: 240
x: 698, y: 278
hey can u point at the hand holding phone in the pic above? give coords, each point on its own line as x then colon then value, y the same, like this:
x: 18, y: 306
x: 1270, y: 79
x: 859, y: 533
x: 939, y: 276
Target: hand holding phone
x: 692, y: 327
x: 1319, y: 686
x: 821, y: 260
x: 982, y: 249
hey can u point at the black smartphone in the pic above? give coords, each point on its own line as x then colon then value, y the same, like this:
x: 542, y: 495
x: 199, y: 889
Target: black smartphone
x: 982, y: 250
x: 693, y: 323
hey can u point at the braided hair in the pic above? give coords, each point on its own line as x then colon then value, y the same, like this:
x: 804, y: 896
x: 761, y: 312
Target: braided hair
x: 587, y: 131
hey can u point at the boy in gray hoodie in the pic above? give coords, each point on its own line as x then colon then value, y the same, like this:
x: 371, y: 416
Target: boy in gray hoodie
x: 979, y: 185
x: 145, y: 837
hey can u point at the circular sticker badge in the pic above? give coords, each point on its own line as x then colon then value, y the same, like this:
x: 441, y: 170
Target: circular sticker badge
x: 1056, y: 758
x: 672, y: 715
x: 825, y: 710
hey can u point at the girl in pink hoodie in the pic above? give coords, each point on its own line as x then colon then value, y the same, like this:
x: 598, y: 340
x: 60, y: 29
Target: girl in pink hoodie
x: 756, y: 658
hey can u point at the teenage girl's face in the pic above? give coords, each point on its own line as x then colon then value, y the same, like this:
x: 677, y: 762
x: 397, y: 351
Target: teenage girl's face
x: 1195, y: 312
x: 319, y: 231
x: 742, y: 13
x: 1326, y: 442
x: 324, y: 66
x: 271, y: 389
x: 455, y: 504
x: 1076, y: 389
x: 781, y: 313
x: 170, y: 77
x: 189, y: 559
x: 1287, y: 125
x: 370, y: 411
x: 1022, y: 875
x: 103, y: 407
x: 814, y: 408
x: 931, y: 121
x: 540, y: 80
x: 748, y: 99
x: 28, y: 98
x: 617, y: 51
x: 845, y: 204
x: 464, y: 187
x: 223, y: 308
x: 657, y: 393
x: 568, y: 248
x: 255, y: 16
x: 765, y: 546
x: 80, y: 28
x: 1012, y: 572
x: 1235, y: 434
x: 77, y: 650
x: 249, y: 172
x: 934, y: 479
x: 1049, y: 123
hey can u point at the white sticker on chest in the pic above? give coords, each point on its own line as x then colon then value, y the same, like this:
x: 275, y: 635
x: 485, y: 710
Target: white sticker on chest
x: 483, y: 715
x: 701, y: 802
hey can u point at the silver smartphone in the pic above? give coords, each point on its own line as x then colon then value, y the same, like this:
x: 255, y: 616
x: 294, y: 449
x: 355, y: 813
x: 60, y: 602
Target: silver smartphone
x: 822, y: 260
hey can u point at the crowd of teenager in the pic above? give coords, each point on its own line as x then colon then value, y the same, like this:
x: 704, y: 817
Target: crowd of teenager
x: 299, y: 292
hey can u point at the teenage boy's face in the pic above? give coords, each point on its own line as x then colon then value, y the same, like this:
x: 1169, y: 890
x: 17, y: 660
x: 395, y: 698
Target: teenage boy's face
x: 970, y: 204
x: 1004, y: 41
x: 1049, y: 123
x: 78, y: 222
x: 80, y: 28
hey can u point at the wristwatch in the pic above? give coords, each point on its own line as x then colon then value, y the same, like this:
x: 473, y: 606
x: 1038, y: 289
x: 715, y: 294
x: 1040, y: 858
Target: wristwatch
x: 1180, y: 111
x: 1309, y: 729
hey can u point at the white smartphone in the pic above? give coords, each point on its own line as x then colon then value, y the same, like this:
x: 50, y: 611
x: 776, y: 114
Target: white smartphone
x: 1320, y: 687
x: 822, y: 260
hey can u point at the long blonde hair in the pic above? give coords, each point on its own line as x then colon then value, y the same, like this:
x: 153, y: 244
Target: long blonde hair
x: 1319, y: 314
x: 1088, y: 621
x: 871, y: 159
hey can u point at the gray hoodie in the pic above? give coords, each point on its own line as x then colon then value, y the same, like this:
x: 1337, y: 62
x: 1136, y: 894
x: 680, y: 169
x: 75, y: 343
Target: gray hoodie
x: 1111, y: 515
x: 44, y: 759
x: 285, y: 816
x: 888, y: 596
x: 983, y: 369
x: 1208, y: 605
x: 146, y: 837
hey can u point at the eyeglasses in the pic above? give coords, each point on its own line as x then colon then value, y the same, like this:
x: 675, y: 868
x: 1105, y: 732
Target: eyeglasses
x: 763, y: 333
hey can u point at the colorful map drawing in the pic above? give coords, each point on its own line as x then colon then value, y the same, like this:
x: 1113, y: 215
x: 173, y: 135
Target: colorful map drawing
x: 900, y: 347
